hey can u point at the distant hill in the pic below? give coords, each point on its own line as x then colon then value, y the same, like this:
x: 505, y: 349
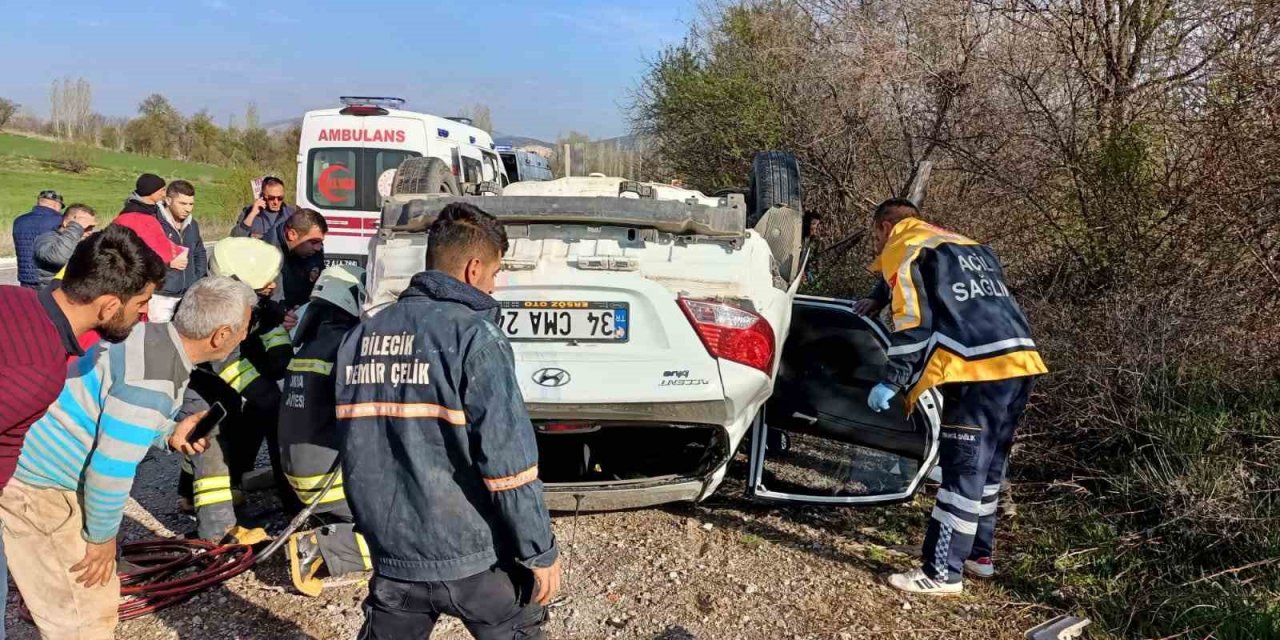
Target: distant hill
x: 625, y: 143
x: 520, y: 141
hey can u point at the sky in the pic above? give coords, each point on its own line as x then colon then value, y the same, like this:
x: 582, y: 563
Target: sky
x: 543, y: 68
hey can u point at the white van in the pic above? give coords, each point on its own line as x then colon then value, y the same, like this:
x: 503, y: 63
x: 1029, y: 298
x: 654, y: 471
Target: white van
x: 524, y: 166
x: 347, y: 161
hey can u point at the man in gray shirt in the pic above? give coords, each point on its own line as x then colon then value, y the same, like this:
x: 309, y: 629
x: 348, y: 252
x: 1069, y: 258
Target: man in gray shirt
x: 54, y: 248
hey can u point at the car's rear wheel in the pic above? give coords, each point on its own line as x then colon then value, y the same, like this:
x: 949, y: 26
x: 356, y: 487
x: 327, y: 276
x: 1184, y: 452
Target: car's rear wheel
x: 775, y: 180
x: 424, y: 175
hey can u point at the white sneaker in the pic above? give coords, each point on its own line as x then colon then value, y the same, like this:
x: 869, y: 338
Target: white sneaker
x: 980, y: 568
x: 915, y: 581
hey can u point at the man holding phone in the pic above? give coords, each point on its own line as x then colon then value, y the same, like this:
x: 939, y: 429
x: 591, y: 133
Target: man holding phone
x: 63, y: 507
x: 263, y: 218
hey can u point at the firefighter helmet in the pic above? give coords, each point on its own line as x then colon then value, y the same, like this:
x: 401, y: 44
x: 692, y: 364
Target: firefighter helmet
x: 250, y: 261
x: 342, y: 285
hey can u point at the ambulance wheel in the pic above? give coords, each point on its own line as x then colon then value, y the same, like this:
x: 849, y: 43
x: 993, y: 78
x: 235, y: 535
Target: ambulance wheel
x: 424, y: 175
x: 775, y: 180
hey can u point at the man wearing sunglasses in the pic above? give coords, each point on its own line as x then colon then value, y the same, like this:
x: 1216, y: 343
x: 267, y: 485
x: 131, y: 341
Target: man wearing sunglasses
x: 264, y: 218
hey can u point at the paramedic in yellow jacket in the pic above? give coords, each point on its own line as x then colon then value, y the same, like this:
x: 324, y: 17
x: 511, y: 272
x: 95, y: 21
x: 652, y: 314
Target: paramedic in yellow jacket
x: 955, y: 326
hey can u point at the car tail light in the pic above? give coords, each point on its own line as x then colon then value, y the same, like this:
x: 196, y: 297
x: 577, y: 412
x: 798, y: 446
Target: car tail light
x: 731, y: 332
x: 567, y: 427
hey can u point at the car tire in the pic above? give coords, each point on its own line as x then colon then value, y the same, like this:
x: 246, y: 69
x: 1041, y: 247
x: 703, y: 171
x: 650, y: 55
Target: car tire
x: 424, y: 175
x: 775, y: 180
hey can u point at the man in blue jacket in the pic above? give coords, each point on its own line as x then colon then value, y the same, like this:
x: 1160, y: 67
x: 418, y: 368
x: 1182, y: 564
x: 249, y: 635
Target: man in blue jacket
x: 45, y: 217
x: 439, y: 460
x: 174, y: 214
x: 266, y: 216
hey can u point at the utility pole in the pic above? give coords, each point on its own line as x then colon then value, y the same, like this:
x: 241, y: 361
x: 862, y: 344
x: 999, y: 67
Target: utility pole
x: 568, y: 163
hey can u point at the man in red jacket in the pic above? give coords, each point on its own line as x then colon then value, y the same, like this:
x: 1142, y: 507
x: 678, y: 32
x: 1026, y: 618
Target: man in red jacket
x: 108, y: 283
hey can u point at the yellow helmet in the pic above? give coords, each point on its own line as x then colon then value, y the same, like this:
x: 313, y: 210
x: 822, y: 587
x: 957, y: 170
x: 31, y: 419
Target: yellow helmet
x: 250, y: 261
x: 342, y: 285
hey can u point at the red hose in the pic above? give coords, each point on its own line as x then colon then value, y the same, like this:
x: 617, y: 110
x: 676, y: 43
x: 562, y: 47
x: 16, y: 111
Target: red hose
x: 170, y: 571
x: 166, y: 572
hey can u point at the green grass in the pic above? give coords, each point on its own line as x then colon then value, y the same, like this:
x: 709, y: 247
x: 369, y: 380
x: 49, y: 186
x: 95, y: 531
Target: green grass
x: 27, y: 167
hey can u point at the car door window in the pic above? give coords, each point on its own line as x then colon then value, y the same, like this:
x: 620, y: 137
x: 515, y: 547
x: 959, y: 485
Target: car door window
x: 490, y: 168
x: 817, y: 441
x: 471, y: 170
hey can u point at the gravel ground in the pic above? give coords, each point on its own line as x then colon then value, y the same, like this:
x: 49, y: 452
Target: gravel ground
x: 728, y: 568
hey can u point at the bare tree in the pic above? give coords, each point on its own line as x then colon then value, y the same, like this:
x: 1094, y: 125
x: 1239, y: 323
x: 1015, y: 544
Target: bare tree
x: 71, y: 107
x: 7, y: 109
x: 480, y: 116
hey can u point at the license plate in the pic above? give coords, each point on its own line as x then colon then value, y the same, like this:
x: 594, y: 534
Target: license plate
x: 566, y: 320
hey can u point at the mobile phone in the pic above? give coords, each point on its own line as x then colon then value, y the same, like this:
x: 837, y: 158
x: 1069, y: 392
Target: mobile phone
x: 212, y: 419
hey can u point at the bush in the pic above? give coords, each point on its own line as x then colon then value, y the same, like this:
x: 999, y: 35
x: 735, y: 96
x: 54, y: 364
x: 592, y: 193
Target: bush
x: 1137, y: 228
x: 73, y: 157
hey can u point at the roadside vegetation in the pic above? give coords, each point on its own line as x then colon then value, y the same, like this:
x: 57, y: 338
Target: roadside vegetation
x: 1120, y: 156
x: 95, y: 159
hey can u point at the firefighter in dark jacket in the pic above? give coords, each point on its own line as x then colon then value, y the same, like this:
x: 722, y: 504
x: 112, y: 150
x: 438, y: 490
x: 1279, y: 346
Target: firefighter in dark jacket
x: 308, y: 433
x: 246, y: 383
x: 439, y: 461
x: 301, y: 238
x: 955, y: 325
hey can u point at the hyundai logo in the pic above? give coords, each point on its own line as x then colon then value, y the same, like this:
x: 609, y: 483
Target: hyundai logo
x: 551, y: 377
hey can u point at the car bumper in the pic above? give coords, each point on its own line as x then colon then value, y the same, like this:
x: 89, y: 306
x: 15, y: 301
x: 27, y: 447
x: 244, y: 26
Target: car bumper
x: 611, y: 498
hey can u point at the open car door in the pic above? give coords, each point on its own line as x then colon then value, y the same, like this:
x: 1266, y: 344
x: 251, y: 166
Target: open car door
x: 817, y: 441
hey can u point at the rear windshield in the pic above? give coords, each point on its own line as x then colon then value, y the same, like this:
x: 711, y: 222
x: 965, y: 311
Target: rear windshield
x: 352, y: 178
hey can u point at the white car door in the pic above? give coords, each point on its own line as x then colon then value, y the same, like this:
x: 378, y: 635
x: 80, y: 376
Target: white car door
x: 817, y: 441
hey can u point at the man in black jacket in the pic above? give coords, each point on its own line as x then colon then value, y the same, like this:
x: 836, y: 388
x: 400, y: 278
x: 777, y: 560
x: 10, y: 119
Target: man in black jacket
x: 301, y: 239
x: 439, y: 459
x: 147, y: 192
x: 175, y: 218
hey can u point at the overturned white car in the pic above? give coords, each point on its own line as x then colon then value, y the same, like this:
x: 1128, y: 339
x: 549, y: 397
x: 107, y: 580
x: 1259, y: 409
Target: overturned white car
x: 654, y: 327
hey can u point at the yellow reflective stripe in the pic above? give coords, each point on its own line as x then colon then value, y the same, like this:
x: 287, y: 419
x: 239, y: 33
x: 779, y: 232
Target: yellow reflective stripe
x: 308, y: 486
x: 308, y: 483
x: 212, y: 482
x: 276, y: 337
x: 364, y: 552
x: 239, y: 374
x: 907, y: 239
x: 335, y: 494
x: 216, y: 496
x: 310, y: 365
x: 946, y: 367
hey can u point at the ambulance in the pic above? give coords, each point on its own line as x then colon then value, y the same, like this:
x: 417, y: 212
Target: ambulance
x: 348, y: 156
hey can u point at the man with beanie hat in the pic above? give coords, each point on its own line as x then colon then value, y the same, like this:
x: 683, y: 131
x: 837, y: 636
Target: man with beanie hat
x: 147, y: 192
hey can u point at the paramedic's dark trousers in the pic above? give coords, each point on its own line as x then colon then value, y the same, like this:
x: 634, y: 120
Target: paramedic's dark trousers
x: 978, y: 422
x: 493, y: 605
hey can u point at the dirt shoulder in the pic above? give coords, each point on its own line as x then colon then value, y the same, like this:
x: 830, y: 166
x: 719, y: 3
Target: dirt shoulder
x: 726, y: 569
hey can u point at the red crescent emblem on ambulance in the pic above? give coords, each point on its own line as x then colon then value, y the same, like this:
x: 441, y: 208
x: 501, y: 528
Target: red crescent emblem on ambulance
x: 336, y: 183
